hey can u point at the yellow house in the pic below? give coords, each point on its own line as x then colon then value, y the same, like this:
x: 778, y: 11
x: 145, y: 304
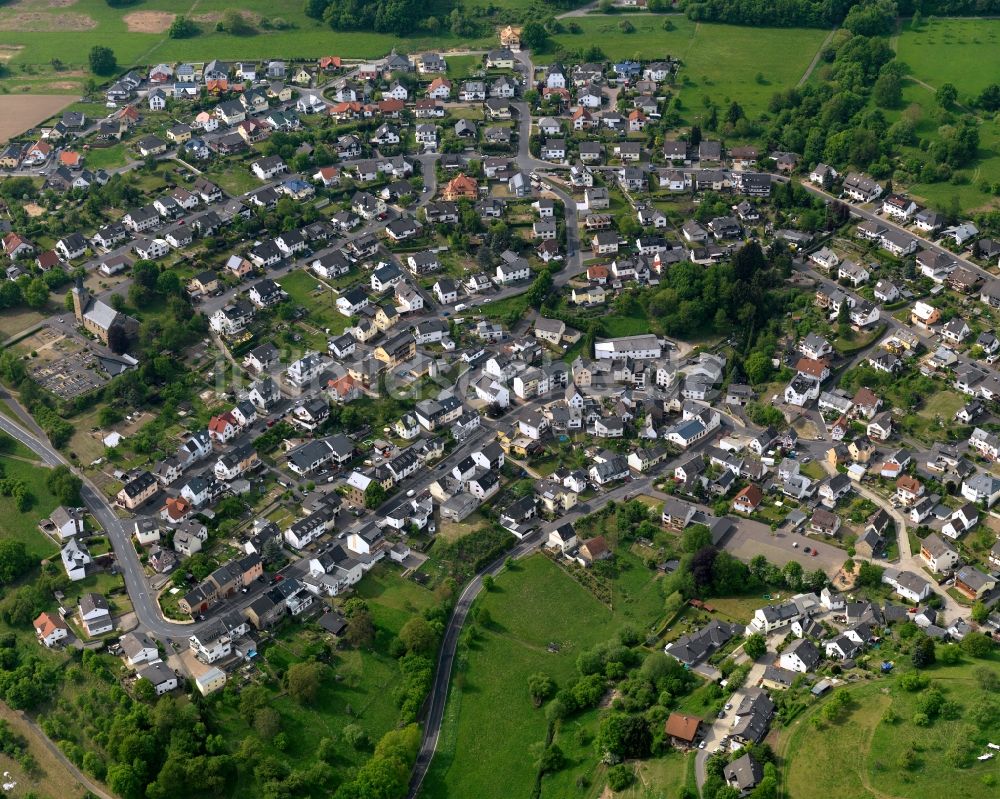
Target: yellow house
x: 179, y: 133
x: 397, y: 350
x: 385, y: 318
x: 591, y: 295
x: 365, y: 330
x: 206, y: 282
x: 861, y: 449
x: 280, y: 92
x: 556, y: 498
x: 836, y: 455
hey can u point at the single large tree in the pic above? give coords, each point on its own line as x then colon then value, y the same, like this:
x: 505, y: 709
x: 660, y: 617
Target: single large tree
x: 102, y: 60
x: 534, y: 36
x: 304, y: 680
x: 66, y: 486
x: 755, y: 646
x: 540, y: 687
x: 360, y: 629
x: 418, y: 636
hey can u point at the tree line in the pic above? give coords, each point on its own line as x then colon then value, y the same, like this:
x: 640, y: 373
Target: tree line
x: 382, y: 16
x: 859, y: 16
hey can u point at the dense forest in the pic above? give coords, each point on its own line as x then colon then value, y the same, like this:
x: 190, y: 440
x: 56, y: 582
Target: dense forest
x: 403, y: 17
x: 826, y: 13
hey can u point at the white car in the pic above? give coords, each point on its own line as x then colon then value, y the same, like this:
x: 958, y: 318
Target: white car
x: 701, y: 745
x: 411, y: 492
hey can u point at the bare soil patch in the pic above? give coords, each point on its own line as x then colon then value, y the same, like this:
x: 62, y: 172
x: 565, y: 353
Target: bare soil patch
x: 8, y: 51
x: 19, y: 113
x: 37, y: 22
x: 148, y: 21
x: 63, y: 86
x: 34, y: 209
x: 29, y: 5
x: 212, y: 17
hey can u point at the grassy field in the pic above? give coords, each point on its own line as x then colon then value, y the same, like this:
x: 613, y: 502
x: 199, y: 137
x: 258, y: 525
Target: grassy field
x: 834, y: 754
x: 16, y: 320
x: 943, y: 403
x: 964, y: 52
x: 19, y: 463
x: 865, y: 755
x: 461, y: 66
x: 720, y: 61
x: 452, y: 531
x: 615, y: 326
x: 106, y: 157
x: 532, y: 606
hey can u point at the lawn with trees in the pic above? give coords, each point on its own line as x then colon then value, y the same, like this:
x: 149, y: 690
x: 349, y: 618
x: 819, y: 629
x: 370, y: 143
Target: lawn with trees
x: 537, y: 648
x: 916, y: 734
x: 317, y: 720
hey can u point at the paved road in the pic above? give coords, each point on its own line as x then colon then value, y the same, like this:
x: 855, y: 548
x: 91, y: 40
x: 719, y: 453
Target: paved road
x: 721, y: 727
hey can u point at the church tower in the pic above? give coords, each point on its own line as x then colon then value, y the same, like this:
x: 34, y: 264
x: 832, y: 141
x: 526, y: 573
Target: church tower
x: 81, y: 299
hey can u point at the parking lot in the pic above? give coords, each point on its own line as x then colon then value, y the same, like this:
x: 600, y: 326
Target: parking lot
x: 751, y: 538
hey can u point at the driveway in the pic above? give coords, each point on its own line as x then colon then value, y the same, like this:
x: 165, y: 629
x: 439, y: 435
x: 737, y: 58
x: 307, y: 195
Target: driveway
x: 720, y: 728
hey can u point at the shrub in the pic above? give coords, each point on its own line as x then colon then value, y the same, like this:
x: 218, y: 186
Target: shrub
x: 620, y: 777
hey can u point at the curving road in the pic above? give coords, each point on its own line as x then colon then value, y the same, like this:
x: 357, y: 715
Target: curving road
x: 143, y: 601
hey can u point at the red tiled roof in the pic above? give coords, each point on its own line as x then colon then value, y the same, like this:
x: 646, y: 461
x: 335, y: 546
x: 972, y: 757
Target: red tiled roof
x: 810, y: 366
x: 682, y: 726
x: 46, y: 623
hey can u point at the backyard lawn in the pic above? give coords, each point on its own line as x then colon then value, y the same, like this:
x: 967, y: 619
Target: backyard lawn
x: 478, y: 742
x: 306, y: 291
